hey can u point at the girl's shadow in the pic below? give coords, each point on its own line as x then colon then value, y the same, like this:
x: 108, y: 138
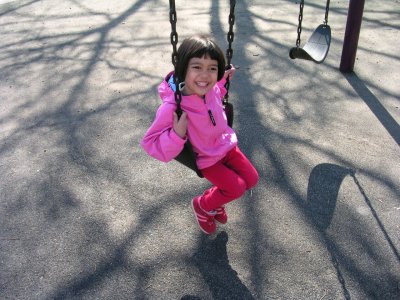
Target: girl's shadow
x: 211, y: 259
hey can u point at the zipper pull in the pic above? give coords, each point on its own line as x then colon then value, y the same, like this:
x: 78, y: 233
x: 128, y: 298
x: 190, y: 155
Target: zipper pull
x: 211, y: 117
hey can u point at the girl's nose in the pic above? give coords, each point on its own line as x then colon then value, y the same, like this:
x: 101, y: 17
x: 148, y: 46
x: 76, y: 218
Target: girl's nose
x: 205, y: 73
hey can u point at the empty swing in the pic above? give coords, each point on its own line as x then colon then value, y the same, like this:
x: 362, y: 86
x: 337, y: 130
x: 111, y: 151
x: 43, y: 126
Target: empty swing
x: 187, y: 156
x: 317, y: 47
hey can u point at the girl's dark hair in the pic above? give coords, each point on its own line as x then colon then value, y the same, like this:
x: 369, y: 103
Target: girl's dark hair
x: 199, y: 46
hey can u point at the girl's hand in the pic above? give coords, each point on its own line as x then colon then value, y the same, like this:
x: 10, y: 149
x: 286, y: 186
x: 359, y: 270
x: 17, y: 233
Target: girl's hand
x: 180, y: 125
x: 229, y: 73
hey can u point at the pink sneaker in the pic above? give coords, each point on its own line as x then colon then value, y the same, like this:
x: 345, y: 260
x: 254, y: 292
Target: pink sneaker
x: 204, y: 219
x: 221, y: 215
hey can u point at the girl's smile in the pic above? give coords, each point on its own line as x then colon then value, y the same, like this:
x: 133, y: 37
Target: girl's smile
x: 201, y: 76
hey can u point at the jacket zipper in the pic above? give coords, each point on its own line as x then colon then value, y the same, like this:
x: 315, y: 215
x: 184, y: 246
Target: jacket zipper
x: 210, y: 113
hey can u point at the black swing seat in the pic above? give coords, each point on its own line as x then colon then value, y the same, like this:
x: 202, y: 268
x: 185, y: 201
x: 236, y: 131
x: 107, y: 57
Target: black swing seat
x: 317, y: 47
x: 188, y: 158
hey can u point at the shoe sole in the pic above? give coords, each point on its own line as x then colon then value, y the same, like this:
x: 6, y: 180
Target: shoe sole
x: 220, y: 222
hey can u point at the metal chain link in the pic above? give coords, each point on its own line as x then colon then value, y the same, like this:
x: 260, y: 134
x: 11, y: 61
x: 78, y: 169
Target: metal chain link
x: 299, y: 26
x: 229, y: 51
x: 174, y: 43
x: 326, y: 12
x: 301, y: 19
x: 174, y: 34
x: 230, y: 35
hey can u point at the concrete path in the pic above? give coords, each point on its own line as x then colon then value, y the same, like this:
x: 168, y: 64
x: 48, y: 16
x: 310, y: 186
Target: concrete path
x: 86, y: 214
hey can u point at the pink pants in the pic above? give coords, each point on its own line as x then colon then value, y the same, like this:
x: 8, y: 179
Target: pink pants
x: 232, y: 176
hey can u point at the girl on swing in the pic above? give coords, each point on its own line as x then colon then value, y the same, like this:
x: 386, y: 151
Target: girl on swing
x: 201, y: 73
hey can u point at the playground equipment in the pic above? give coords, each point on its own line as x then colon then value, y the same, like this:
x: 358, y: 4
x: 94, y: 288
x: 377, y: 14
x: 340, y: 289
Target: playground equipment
x: 316, y: 50
x: 317, y: 47
x: 187, y: 157
x: 353, y: 27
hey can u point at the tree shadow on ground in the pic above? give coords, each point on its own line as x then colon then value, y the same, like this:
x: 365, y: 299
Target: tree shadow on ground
x: 69, y: 123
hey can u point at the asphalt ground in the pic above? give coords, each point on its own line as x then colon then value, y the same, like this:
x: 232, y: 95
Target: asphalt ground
x: 86, y: 214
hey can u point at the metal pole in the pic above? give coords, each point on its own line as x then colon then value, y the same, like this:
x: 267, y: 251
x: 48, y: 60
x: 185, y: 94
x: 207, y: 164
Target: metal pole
x: 353, y: 26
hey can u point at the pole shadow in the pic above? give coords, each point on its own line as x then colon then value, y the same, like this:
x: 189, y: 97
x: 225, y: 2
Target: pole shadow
x: 390, y: 124
x: 211, y: 259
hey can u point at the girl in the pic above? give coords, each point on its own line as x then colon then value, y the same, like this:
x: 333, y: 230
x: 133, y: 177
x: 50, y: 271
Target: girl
x: 201, y: 72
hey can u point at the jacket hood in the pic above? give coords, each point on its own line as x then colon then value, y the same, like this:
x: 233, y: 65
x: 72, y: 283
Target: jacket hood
x: 167, y: 95
x: 165, y: 91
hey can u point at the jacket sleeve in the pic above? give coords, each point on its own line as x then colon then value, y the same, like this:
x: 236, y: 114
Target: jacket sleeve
x: 221, y: 87
x: 160, y: 140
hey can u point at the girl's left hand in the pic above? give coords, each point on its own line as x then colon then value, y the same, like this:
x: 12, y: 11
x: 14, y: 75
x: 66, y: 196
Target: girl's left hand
x: 229, y: 73
x: 180, y: 124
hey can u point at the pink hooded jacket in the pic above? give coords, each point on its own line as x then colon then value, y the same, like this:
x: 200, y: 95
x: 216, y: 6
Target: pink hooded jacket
x: 210, y: 142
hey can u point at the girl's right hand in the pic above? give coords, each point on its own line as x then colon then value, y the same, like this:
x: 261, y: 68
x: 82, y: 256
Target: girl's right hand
x: 229, y: 73
x: 180, y: 124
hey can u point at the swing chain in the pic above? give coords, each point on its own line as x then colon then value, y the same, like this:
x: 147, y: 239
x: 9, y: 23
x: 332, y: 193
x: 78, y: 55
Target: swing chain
x: 174, y: 43
x: 299, y: 26
x: 174, y: 34
x: 230, y: 36
x: 301, y: 19
x: 326, y: 12
x: 229, y: 51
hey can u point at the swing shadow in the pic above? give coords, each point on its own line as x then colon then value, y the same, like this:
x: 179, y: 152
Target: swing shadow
x: 211, y: 259
x: 323, y: 188
x: 390, y: 124
x: 322, y: 192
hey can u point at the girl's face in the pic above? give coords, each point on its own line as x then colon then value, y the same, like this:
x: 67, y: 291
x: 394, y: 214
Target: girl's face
x: 201, y: 76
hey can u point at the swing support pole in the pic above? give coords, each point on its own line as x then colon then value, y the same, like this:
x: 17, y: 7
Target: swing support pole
x: 352, y: 33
